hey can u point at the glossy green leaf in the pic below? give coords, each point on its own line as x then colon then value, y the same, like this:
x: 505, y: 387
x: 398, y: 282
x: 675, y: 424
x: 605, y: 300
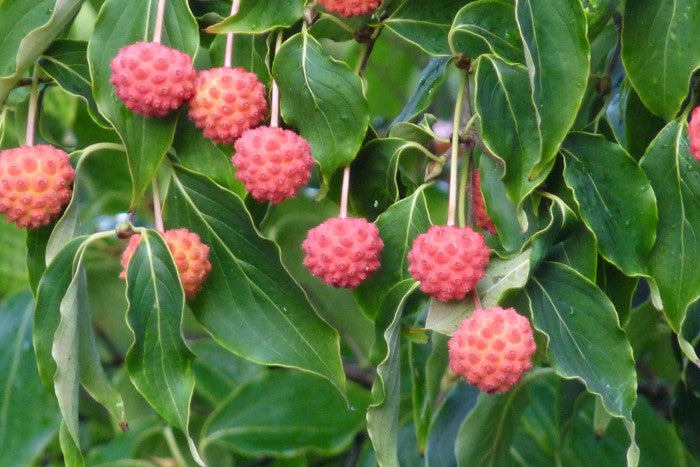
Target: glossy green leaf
x: 579, y: 251
x: 159, y: 362
x: 574, y: 313
x: 329, y: 26
x: 501, y: 276
x: 120, y: 23
x: 509, y: 123
x: 429, y: 81
x: 36, y: 255
x: 486, y: 433
x: 28, y: 29
x: 249, y: 297
x: 675, y: 178
x: 20, y: 387
x: 383, y: 413
x: 604, y: 178
x: 425, y: 24
x: 323, y: 98
x: 69, y: 449
x: 376, y: 169
x: 303, y: 413
x: 557, y: 55
x: 398, y: 226
x: 255, y: 17
x: 66, y: 62
x: 458, y: 402
x: 598, y: 13
x: 658, y: 51
x: 487, y: 27
x: 198, y: 153
x: 618, y: 287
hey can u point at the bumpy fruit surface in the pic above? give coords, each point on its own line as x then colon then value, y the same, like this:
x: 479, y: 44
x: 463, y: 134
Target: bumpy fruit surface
x: 35, y: 184
x: 348, y: 8
x: 480, y: 215
x: 343, y: 251
x: 448, y: 261
x: 152, y: 79
x: 694, y: 133
x: 190, y: 254
x: 273, y: 163
x: 226, y: 102
x: 492, y: 349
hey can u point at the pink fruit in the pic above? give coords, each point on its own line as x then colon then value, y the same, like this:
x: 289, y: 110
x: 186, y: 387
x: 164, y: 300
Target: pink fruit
x: 492, y: 349
x: 273, y: 163
x: 694, y: 133
x: 152, y: 79
x: 348, y: 8
x: 35, y: 184
x: 448, y: 261
x: 480, y: 215
x: 226, y: 102
x: 190, y: 254
x: 343, y: 251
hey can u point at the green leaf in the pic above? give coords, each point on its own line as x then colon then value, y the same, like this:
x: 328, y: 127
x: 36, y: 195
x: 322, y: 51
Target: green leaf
x: 21, y: 389
x: 376, y: 168
x: 198, y: 153
x: 255, y: 17
x: 675, y: 178
x: 509, y: 122
x: 303, y: 413
x: 658, y: 51
x: 487, y: 27
x: 249, y: 297
x: 37, y: 240
x: 159, y: 362
x: 123, y: 22
x: 579, y: 251
x: 618, y: 287
x: 598, y: 13
x: 502, y: 275
x: 429, y: 81
x: 323, y: 98
x: 383, y: 413
x: 13, y: 270
x: 398, y: 226
x: 28, y: 29
x: 604, y: 178
x: 66, y: 62
x: 459, y: 401
x: 557, y: 55
x: 425, y: 24
x: 585, y: 339
x: 72, y: 456
x: 485, y: 435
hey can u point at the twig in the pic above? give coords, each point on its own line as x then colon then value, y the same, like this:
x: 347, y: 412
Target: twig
x: 456, y: 122
x: 344, y: 193
x: 157, y: 213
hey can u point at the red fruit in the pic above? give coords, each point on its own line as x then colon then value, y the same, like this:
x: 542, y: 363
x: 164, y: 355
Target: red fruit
x: 448, y: 261
x: 343, y: 251
x: 152, y: 79
x: 226, y: 102
x: 694, y: 133
x: 480, y: 215
x: 35, y: 184
x: 348, y: 8
x: 273, y: 163
x: 190, y: 254
x: 492, y: 349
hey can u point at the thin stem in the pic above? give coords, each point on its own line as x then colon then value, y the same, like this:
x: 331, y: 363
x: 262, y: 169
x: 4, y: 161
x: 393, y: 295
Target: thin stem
x: 477, y: 300
x: 157, y: 213
x: 228, y: 54
x: 463, y: 182
x: 160, y: 15
x: 452, y: 199
x: 344, y: 193
x: 275, y: 105
x: 31, y: 113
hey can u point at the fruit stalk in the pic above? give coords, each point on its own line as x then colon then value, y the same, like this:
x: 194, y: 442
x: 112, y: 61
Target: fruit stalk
x: 158, y: 29
x: 275, y: 104
x: 157, y: 211
x: 31, y: 112
x: 228, y: 53
x: 456, y: 121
